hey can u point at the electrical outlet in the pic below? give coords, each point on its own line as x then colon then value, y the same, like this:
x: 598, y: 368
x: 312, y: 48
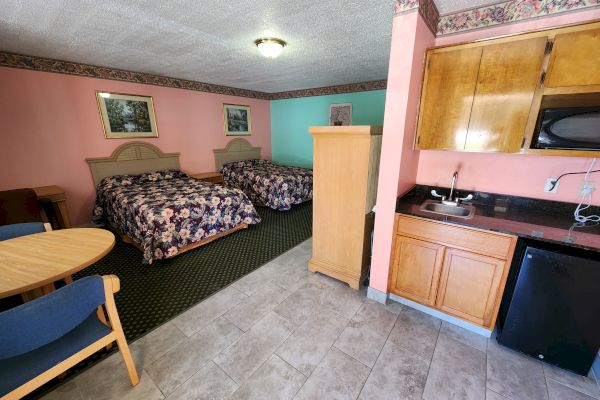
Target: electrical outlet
x: 549, y: 183
x: 587, y: 188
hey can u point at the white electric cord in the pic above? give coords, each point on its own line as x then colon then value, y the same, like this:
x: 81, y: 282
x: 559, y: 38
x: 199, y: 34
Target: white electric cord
x: 586, y: 195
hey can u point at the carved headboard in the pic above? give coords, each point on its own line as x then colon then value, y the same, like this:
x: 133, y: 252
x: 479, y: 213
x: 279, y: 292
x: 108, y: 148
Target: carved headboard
x: 132, y: 158
x: 236, y: 150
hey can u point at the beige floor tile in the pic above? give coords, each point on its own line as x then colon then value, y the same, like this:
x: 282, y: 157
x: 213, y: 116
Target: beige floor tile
x: 416, y: 332
x: 557, y: 391
x: 303, y: 302
x: 254, y: 347
x: 583, y: 384
x: 361, y: 342
x: 152, y: 346
x: 256, y: 306
x: 311, y: 341
x: 208, y: 310
x: 210, y: 383
x: 490, y: 395
x: 514, y: 375
x: 457, y: 371
x: 337, y: 377
x: 345, y: 300
x: 398, y: 374
x: 66, y: 391
x: 109, y: 383
x: 275, y: 379
x: 183, y: 361
x: 253, y: 282
x: 464, y: 336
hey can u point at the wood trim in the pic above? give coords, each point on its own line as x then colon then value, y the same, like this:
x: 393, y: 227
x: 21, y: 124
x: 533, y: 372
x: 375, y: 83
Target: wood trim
x: 237, y: 149
x: 341, y: 131
x: 470, y: 239
x: 128, y: 239
x: 132, y: 158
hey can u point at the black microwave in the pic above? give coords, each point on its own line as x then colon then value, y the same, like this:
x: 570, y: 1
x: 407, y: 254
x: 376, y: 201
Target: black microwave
x: 573, y: 128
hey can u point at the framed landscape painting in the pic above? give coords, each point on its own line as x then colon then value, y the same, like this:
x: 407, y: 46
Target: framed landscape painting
x: 237, y: 120
x: 340, y: 114
x: 126, y: 115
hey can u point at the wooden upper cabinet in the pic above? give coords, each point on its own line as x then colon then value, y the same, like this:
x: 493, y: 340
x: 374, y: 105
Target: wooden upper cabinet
x: 509, y: 75
x: 416, y: 269
x: 575, y: 59
x: 470, y: 286
x: 446, y: 98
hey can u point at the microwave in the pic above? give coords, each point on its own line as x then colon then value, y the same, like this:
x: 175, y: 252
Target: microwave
x: 572, y: 128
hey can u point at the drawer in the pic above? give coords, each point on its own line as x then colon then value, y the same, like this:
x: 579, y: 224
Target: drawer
x: 476, y: 240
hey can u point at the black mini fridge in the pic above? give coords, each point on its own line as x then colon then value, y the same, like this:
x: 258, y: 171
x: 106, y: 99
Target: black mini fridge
x: 551, y: 306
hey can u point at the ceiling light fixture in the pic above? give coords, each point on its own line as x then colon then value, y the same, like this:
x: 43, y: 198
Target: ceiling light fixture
x: 270, y: 47
x: 104, y: 94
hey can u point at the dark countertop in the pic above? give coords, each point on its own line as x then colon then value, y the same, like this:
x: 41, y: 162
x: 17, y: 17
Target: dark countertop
x: 544, y: 220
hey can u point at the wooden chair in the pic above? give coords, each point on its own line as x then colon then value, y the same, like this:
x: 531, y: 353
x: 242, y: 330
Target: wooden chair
x: 43, y: 338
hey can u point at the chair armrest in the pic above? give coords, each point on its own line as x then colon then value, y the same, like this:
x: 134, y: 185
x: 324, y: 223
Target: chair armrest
x: 111, y: 283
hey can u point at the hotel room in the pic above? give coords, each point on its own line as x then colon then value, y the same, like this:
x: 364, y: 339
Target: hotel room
x: 391, y: 199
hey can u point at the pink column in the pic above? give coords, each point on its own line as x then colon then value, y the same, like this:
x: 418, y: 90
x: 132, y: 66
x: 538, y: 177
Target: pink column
x: 398, y: 165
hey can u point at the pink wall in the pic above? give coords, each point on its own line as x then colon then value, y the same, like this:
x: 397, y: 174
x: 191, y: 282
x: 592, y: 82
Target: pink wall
x: 521, y: 175
x: 49, y: 124
x: 398, y: 165
x: 501, y: 173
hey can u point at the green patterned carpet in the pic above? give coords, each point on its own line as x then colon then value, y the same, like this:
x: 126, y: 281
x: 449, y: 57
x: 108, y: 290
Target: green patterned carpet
x: 153, y: 294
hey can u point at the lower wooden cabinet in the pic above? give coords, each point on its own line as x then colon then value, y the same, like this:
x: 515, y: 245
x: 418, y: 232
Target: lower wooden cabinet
x: 416, y: 269
x: 432, y: 266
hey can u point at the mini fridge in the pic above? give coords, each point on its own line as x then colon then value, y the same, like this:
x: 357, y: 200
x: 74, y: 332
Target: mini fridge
x: 551, y: 305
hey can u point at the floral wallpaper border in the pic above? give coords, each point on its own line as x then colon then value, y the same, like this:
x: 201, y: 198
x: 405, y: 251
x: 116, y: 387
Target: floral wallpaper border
x: 507, y: 12
x: 12, y: 60
x: 338, y: 89
x: 427, y: 9
x: 503, y: 12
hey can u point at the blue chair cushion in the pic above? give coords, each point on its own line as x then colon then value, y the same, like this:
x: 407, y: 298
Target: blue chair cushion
x: 16, y: 371
x: 47, y: 318
x: 17, y: 230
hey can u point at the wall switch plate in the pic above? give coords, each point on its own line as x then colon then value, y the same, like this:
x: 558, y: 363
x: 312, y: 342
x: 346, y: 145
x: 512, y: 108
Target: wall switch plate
x: 587, y: 188
x: 549, y: 182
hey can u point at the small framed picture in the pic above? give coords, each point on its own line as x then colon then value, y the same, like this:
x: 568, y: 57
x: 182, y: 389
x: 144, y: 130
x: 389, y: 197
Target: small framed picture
x: 340, y: 114
x: 237, y: 120
x: 126, y: 116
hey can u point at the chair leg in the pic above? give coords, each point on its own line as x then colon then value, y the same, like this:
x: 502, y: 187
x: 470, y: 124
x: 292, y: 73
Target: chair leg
x: 68, y: 279
x: 129, y: 364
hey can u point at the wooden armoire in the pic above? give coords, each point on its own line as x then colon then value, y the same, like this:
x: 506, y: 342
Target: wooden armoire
x: 345, y: 172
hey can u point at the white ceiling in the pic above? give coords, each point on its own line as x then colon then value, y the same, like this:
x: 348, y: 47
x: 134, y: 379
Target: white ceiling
x: 330, y: 42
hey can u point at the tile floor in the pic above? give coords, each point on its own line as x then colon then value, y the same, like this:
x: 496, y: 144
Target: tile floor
x: 284, y: 333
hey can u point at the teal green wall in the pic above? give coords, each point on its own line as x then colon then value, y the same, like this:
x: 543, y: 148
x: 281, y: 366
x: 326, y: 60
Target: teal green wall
x: 290, y: 141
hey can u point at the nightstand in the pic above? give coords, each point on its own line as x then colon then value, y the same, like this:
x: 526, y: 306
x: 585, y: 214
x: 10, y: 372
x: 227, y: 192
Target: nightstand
x: 212, y: 177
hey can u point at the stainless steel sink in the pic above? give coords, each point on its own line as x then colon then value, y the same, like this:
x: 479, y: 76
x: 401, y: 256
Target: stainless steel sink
x: 459, y: 211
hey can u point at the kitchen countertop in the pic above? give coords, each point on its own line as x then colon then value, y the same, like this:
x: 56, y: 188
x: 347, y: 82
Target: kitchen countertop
x: 544, y: 220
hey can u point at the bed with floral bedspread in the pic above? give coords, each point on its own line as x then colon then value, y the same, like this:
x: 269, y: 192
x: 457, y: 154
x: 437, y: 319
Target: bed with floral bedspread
x: 268, y: 184
x: 165, y: 211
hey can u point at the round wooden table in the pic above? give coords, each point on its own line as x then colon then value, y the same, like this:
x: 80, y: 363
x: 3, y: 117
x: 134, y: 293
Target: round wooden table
x: 36, y: 261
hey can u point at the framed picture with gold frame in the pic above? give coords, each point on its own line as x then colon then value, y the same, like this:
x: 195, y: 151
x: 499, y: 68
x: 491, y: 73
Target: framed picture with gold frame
x: 237, y: 120
x: 126, y: 116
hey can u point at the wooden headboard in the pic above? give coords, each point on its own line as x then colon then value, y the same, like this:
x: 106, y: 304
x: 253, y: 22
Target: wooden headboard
x: 132, y: 158
x: 236, y: 150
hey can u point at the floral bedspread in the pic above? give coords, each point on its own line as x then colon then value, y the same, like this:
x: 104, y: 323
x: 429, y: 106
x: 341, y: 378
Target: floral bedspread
x: 164, y: 211
x: 272, y: 185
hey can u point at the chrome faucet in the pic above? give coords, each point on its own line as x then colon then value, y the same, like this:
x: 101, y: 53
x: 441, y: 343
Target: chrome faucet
x: 457, y: 199
x: 454, y: 178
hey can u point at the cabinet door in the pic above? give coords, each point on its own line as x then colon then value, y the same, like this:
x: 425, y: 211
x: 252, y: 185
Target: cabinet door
x: 416, y: 269
x: 469, y: 286
x: 446, y: 98
x: 575, y: 59
x: 509, y: 74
